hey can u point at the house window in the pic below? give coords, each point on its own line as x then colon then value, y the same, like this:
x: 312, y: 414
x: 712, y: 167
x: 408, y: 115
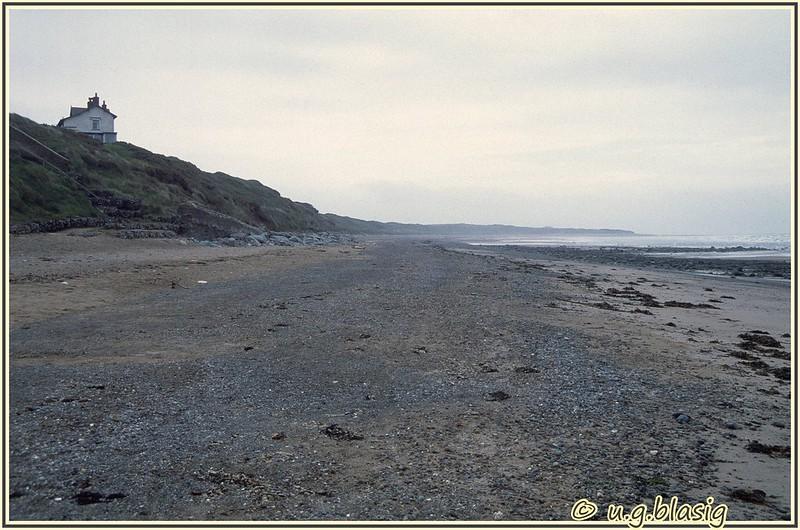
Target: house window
x: 95, y: 124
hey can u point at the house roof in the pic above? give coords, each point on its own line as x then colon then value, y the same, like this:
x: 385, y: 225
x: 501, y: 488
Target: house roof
x: 77, y: 111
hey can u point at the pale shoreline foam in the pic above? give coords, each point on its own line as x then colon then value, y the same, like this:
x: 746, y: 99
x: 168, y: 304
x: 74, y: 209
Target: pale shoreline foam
x: 744, y: 247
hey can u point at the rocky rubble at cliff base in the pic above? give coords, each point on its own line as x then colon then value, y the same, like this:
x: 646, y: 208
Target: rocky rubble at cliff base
x: 282, y: 239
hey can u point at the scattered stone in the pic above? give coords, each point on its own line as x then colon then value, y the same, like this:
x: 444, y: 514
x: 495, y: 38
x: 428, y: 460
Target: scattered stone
x: 761, y: 338
x: 606, y: 306
x: 748, y: 495
x: 780, y: 451
x: 732, y: 425
x: 146, y: 234
x: 93, y: 497
x: 671, y: 324
x: 337, y: 433
x: 688, y: 305
x: 248, y: 348
x: 680, y: 417
x: 497, y: 396
x: 526, y: 370
x: 278, y: 435
x: 742, y: 355
x: 251, y: 236
x: 630, y: 293
x: 751, y: 346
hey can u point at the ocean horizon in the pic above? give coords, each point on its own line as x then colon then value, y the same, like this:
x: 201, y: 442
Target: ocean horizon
x: 748, y: 245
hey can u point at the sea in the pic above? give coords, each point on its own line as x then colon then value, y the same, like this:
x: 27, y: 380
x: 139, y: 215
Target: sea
x: 763, y: 246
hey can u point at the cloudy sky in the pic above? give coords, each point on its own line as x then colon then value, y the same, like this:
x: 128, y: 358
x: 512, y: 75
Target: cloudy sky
x: 667, y: 120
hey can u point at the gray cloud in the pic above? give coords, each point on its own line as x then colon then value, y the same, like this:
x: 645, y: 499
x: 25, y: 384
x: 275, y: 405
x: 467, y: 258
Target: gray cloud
x: 659, y: 120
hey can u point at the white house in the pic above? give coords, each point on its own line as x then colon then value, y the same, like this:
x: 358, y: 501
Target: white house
x: 94, y: 120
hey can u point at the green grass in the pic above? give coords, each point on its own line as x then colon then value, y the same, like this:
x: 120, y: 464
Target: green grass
x: 37, y: 193
x: 162, y: 183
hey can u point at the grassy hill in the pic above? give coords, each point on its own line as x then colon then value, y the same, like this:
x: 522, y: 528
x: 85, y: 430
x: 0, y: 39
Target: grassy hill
x: 44, y: 186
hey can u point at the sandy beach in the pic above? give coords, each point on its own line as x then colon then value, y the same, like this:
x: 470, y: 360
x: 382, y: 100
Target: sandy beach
x: 393, y: 378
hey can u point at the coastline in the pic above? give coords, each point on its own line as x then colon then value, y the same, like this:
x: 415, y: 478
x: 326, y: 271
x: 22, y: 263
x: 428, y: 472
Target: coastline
x: 723, y: 263
x: 475, y: 383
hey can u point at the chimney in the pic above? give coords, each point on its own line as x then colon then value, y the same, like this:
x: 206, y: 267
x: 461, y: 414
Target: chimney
x: 104, y: 105
x: 93, y: 102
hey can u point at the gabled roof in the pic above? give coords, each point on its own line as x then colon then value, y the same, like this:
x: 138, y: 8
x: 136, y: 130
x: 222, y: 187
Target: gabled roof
x: 77, y: 111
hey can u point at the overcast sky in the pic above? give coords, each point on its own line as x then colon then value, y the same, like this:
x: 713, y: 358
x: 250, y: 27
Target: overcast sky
x: 673, y: 121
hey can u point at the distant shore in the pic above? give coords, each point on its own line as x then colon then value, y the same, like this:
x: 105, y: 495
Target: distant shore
x: 723, y: 262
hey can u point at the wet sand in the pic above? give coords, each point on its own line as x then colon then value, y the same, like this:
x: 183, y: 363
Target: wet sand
x: 464, y: 383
